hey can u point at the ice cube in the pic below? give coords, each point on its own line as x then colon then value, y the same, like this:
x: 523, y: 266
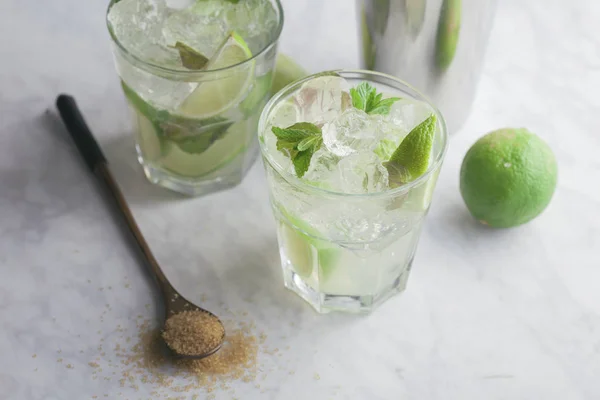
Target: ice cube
x: 320, y: 99
x: 255, y: 20
x: 137, y: 25
x: 352, y: 131
x: 408, y: 113
x: 362, y: 172
x: 323, y: 166
x: 202, y: 32
x: 285, y: 114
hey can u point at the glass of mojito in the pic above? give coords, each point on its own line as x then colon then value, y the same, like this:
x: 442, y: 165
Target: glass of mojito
x: 196, y: 75
x: 352, y: 159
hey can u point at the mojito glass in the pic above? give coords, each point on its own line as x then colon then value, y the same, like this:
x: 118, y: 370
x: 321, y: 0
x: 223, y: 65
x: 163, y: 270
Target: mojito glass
x: 348, y: 224
x: 196, y: 75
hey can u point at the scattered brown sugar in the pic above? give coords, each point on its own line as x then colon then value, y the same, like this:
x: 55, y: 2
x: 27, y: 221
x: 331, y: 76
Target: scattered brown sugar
x: 142, y: 360
x: 193, y: 332
x: 233, y: 360
x: 146, y: 363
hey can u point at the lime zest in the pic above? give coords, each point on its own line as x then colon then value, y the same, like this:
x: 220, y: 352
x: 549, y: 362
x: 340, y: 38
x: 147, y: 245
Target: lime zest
x: 411, y: 158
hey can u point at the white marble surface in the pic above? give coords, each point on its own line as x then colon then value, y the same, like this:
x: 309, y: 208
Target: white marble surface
x: 488, y: 314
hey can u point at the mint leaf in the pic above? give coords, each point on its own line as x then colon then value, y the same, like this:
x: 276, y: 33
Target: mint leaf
x: 288, y: 134
x: 199, y: 143
x: 411, y: 159
x: 384, y: 106
x: 299, y: 142
x: 302, y: 162
x: 360, y: 95
x: 309, y: 142
x: 365, y: 97
x: 190, y: 58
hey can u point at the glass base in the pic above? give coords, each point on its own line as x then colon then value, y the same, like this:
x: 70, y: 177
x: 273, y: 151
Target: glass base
x: 325, y: 302
x: 227, y: 177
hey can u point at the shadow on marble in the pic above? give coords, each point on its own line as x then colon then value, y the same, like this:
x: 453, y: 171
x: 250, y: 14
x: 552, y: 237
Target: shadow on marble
x: 249, y: 284
x: 120, y: 151
x: 454, y: 220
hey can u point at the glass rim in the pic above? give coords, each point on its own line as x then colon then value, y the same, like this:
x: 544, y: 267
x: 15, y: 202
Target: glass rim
x: 161, y: 69
x: 298, y: 182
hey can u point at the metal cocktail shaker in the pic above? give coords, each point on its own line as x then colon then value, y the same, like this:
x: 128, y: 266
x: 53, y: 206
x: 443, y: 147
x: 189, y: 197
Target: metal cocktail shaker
x: 437, y: 46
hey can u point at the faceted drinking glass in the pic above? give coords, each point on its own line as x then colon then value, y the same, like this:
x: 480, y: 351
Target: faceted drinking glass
x: 348, y: 252
x: 208, y: 144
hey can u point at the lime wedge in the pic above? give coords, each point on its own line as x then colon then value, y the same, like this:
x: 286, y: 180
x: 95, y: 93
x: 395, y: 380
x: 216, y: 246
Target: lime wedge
x: 213, y: 97
x: 419, y: 198
x: 221, y: 152
x: 411, y: 158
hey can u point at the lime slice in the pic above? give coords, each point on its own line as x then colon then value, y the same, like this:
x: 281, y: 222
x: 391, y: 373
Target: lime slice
x: 298, y: 250
x: 305, y: 236
x: 218, y: 154
x: 150, y: 143
x: 213, y: 97
x: 258, y: 96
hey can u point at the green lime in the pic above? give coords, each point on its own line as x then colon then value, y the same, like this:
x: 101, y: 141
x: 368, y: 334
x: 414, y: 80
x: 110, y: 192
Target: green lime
x: 286, y: 72
x: 298, y: 250
x: 306, y: 237
x: 150, y: 143
x: 216, y: 155
x: 213, y: 97
x: 508, y: 177
x: 411, y: 158
x: 259, y: 94
x: 419, y: 197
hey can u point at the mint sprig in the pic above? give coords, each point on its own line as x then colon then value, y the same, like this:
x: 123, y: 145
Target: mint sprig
x: 299, y: 142
x: 366, y: 98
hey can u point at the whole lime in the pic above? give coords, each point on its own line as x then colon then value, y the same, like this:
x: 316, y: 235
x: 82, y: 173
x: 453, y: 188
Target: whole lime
x: 508, y: 177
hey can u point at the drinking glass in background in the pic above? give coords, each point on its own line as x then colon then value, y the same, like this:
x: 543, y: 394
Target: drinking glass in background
x: 438, y: 46
x: 196, y: 80
x: 346, y: 251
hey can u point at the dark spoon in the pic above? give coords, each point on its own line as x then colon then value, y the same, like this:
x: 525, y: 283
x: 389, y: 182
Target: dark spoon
x: 88, y: 147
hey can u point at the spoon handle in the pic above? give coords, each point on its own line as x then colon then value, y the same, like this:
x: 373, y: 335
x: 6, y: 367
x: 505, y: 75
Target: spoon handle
x: 92, y: 154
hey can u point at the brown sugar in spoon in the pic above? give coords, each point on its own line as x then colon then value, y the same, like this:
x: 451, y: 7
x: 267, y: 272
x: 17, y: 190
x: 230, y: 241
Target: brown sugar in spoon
x: 189, y: 331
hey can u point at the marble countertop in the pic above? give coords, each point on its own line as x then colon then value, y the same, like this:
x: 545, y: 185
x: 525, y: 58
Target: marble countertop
x: 488, y: 314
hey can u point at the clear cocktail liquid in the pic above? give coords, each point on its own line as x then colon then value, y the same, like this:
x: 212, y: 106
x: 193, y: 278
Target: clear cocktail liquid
x: 347, y: 239
x: 196, y: 75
